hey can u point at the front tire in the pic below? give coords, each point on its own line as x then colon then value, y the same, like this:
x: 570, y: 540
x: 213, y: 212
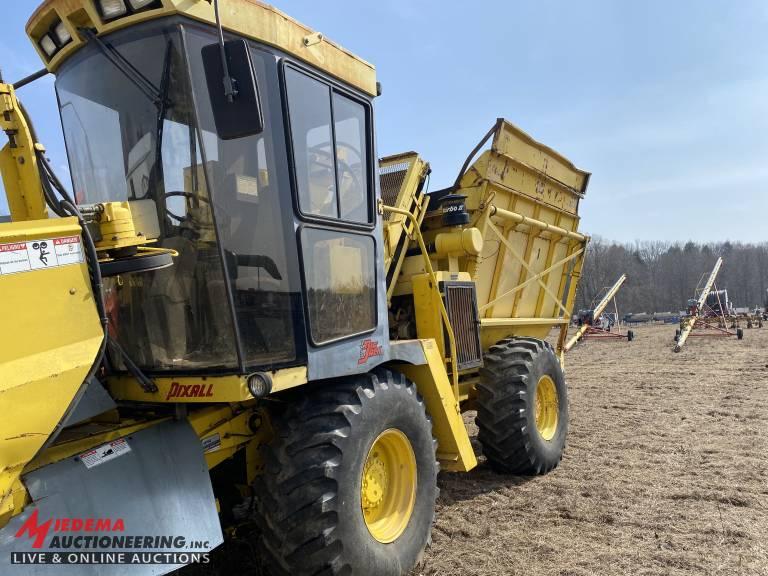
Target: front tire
x: 522, y: 411
x: 350, y: 480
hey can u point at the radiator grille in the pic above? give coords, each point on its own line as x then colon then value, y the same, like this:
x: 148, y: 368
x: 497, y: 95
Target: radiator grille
x: 461, y: 305
x: 392, y: 178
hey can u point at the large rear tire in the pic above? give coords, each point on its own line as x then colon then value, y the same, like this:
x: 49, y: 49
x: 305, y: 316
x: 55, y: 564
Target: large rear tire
x: 522, y: 412
x: 350, y: 480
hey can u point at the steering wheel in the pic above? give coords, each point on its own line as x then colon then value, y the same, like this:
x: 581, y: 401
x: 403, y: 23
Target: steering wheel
x: 321, y: 150
x: 345, y: 169
x: 188, y: 195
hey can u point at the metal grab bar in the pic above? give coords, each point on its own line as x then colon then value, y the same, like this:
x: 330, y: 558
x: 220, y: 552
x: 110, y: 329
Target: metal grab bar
x: 428, y: 265
x: 520, y: 219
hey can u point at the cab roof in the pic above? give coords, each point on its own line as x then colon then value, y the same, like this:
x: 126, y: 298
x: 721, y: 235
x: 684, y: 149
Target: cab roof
x: 250, y: 18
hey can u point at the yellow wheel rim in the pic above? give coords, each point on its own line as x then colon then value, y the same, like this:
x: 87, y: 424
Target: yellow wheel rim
x: 547, y: 408
x: 388, y: 486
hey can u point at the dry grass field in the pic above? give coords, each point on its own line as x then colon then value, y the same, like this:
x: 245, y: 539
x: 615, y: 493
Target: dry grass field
x: 665, y: 472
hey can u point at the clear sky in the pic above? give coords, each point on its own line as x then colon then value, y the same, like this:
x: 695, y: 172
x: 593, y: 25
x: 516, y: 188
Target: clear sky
x: 666, y: 103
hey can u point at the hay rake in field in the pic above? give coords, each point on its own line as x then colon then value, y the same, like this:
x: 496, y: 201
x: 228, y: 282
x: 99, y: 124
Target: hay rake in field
x: 708, y: 313
x: 590, y: 321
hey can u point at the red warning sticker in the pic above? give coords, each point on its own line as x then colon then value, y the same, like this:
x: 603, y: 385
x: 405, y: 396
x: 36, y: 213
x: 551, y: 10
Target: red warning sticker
x: 40, y: 254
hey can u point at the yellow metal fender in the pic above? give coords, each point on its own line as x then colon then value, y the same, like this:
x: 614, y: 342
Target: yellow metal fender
x: 50, y: 339
x: 454, y: 450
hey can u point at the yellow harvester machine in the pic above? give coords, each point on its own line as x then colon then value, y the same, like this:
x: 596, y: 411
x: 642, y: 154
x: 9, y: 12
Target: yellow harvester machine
x: 238, y: 319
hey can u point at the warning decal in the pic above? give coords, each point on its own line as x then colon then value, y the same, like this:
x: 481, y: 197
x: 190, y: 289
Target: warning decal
x: 105, y: 453
x: 40, y: 254
x: 211, y: 443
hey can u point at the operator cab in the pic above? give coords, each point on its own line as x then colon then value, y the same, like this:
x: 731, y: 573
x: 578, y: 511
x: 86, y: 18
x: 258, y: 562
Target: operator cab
x: 275, y: 228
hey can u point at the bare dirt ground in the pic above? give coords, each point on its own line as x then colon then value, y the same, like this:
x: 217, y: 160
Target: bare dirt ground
x: 665, y: 471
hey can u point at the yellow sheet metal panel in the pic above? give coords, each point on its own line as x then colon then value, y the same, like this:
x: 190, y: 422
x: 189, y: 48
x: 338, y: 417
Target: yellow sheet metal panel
x: 250, y: 18
x: 492, y: 334
x: 454, y: 450
x: 524, y: 198
x: 517, y: 161
x: 201, y: 389
x: 37, y: 229
x: 429, y: 323
x: 50, y: 339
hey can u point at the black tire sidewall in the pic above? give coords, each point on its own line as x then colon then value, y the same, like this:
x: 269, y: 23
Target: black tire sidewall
x: 390, y: 407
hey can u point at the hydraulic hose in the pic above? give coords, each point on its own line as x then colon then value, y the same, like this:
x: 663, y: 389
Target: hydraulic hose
x: 474, y: 152
x: 93, y: 261
x: 66, y: 207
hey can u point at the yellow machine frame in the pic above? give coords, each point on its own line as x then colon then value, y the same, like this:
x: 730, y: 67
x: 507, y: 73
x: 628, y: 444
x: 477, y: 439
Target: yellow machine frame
x: 521, y: 249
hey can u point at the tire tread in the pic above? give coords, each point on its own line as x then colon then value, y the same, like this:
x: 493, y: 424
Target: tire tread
x: 501, y: 406
x: 297, y: 493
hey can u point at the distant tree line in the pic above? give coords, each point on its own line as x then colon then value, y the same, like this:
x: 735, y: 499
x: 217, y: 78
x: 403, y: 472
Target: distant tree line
x: 663, y: 275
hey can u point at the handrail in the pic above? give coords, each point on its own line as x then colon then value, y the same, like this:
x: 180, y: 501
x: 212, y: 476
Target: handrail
x: 520, y: 219
x: 433, y: 278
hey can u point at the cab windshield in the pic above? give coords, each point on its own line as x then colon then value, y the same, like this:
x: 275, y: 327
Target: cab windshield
x: 137, y: 124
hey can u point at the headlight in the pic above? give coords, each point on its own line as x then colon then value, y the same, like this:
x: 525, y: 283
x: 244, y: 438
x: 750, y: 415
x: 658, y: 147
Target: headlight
x: 112, y: 8
x: 62, y: 34
x: 140, y: 4
x: 48, y: 45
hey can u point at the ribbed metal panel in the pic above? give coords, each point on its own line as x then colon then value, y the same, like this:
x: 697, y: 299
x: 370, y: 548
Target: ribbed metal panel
x: 392, y: 178
x: 461, y: 305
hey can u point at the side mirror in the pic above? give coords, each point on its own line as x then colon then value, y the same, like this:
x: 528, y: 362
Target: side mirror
x: 240, y: 116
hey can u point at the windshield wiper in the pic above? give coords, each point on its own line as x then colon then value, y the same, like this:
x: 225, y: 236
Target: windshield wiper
x: 165, y: 103
x: 158, y: 96
x: 162, y: 110
x: 141, y: 82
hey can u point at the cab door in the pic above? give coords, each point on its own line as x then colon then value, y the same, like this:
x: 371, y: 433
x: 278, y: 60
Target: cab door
x: 338, y: 230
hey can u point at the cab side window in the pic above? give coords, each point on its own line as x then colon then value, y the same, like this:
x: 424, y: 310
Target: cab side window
x: 349, y: 119
x: 341, y: 283
x: 329, y: 137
